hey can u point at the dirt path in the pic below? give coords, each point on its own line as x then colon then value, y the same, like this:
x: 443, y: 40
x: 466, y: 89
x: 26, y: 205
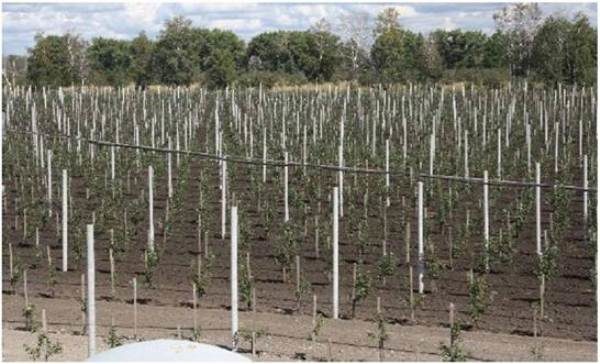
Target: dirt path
x: 349, y: 338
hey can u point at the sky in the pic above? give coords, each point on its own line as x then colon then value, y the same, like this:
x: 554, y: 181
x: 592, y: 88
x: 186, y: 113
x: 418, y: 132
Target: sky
x: 124, y: 20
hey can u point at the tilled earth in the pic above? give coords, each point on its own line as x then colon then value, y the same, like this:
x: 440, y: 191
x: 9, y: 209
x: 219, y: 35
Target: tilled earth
x: 513, y: 289
x: 340, y: 340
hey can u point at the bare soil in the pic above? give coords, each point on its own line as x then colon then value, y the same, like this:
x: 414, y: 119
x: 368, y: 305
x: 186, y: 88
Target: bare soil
x: 571, y: 312
x: 349, y: 338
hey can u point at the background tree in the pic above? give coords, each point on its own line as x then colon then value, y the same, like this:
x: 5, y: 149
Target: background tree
x: 356, y: 28
x: 109, y: 61
x: 221, y: 69
x: 174, y: 59
x: 395, y: 53
x: 141, y: 60
x: 387, y: 20
x: 583, y: 39
x: 269, y: 51
x: 56, y: 60
x: 432, y: 65
x: 519, y: 22
x: 494, y: 54
x: 14, y: 69
x: 550, y: 47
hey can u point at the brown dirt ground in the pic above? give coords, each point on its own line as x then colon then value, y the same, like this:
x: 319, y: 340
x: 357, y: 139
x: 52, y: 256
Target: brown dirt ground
x: 571, y: 308
x: 350, y: 341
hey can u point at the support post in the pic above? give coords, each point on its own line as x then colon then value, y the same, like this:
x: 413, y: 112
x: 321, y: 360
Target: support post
x: 91, y: 286
x: 234, y: 283
x: 65, y: 219
x: 335, y: 254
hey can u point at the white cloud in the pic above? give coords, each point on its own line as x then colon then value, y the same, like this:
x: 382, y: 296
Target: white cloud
x: 236, y: 24
x: 125, y: 20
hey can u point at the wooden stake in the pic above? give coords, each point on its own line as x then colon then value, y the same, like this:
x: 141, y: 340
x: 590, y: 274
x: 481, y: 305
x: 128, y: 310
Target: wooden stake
x: 411, y: 294
x: 91, y: 300
x: 285, y: 188
x: 25, y: 288
x: 317, y: 236
x: 421, y: 262
x: 194, y: 304
x: 112, y: 272
x: 335, y: 254
x: 451, y: 322
x: 486, y: 220
x: 234, y: 279
x: 65, y: 247
x: 151, y: 208
x: 135, y: 307
x: 407, y: 242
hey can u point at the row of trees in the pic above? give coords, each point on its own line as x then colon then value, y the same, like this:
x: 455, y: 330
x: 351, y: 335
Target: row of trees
x: 556, y: 49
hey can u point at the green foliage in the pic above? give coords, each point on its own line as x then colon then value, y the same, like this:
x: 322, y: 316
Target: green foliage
x: 17, y: 273
x: 221, y: 70
x: 395, y: 55
x: 302, y: 290
x: 318, y: 326
x: 56, y: 60
x: 565, y: 50
x: 386, y: 266
x: 461, y: 49
x: 43, y: 349
x: 246, y: 283
x: 363, y: 241
x: 113, y: 340
x: 454, y: 351
x: 202, y: 280
x: 557, y: 50
x: 109, y: 61
x: 501, y: 250
x: 313, y: 54
x: 478, y: 297
x: 434, y: 266
x: 287, y: 245
x: 547, y: 264
x: 196, y: 335
x: 28, y: 313
x: 362, y: 288
x: 380, y: 335
x: 151, y: 260
x: 141, y: 49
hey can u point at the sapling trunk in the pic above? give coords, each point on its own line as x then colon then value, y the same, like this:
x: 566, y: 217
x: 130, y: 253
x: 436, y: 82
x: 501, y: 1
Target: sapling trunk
x: 112, y: 272
x: 353, y: 289
x: 206, y: 244
x: 64, y: 222
x: 134, y: 307
x: 407, y: 242
x: 83, y: 306
x: 91, y: 286
x: 234, y: 278
x: 451, y: 322
x: 194, y: 304
x: 10, y: 262
x: 25, y: 293
x: 313, y: 335
x: 421, y: 263
x: 317, y: 236
x: 335, y: 253
x: 411, y: 294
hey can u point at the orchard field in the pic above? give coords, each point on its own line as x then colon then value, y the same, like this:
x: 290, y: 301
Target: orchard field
x: 425, y: 196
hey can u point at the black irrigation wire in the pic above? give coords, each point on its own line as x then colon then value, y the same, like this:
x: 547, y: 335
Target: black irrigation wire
x: 273, y: 163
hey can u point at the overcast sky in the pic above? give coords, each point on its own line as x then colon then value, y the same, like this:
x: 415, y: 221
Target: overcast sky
x: 21, y: 21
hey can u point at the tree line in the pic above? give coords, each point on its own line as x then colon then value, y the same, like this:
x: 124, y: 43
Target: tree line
x: 357, y: 48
